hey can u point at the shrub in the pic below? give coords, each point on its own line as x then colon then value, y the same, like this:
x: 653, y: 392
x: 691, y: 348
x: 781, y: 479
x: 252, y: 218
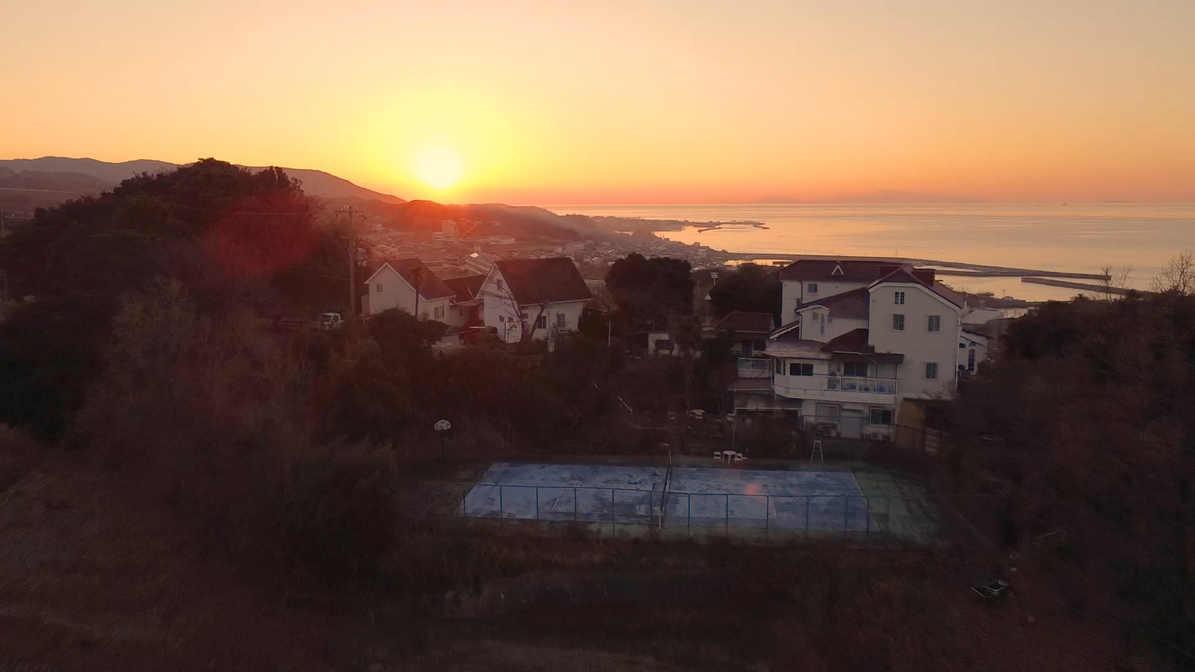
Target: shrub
x: 341, y: 511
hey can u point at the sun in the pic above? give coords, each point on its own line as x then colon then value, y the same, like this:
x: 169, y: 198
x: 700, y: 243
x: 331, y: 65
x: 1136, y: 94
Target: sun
x: 439, y: 168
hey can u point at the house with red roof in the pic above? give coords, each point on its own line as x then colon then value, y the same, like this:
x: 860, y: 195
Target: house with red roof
x: 535, y: 297
x: 857, y: 348
x: 407, y: 285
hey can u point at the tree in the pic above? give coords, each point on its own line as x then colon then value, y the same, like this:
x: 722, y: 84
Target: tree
x: 647, y: 292
x: 751, y: 288
x: 1116, y: 278
x: 1178, y: 275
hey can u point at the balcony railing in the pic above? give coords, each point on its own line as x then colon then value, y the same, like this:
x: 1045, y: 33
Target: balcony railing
x: 843, y: 387
x: 754, y: 367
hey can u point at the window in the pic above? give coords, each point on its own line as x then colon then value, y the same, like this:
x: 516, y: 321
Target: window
x: 898, y: 322
x: 899, y: 298
x: 759, y: 345
x: 541, y: 322
x: 798, y: 369
x: 813, y: 288
x: 935, y: 323
x: 881, y: 416
x: 971, y: 360
x: 560, y: 320
x: 858, y: 369
x: 962, y: 346
x: 931, y: 370
x: 378, y: 288
x: 439, y: 313
x: 498, y: 283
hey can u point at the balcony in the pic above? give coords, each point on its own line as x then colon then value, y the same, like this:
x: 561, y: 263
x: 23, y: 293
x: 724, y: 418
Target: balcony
x: 837, y: 388
x: 754, y: 367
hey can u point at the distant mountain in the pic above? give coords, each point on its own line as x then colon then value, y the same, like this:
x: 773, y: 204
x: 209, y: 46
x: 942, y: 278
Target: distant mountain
x: 315, y: 182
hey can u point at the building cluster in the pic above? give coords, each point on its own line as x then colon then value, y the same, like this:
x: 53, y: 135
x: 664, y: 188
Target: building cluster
x: 455, y: 249
x: 537, y: 298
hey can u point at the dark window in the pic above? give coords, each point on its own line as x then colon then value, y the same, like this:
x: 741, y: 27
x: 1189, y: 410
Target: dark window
x: 541, y: 322
x: 881, y: 416
x: 899, y: 298
x: 971, y: 360
x: 898, y: 322
x: 935, y: 323
x: 798, y: 369
x: 379, y: 288
x: 931, y: 370
x: 759, y: 345
x: 813, y: 288
x: 854, y: 369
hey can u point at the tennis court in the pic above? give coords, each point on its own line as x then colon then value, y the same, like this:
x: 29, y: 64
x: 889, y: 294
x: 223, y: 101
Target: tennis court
x: 686, y: 499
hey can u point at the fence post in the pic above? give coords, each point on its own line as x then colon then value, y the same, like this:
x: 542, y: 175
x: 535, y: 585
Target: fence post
x: 846, y: 509
x: 806, y: 516
x: 574, y: 505
x: 537, y: 502
x: 464, y: 502
x: 501, y: 510
x: 689, y: 514
x: 612, y: 532
x: 726, y: 523
x: 767, y: 516
x: 867, y: 536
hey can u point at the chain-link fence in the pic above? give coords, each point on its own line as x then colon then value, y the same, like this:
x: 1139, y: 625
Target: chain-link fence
x: 923, y: 520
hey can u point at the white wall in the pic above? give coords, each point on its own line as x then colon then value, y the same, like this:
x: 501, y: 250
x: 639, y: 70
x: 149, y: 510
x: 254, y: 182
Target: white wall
x: 819, y: 324
x: 498, y: 309
x: 795, y: 293
x: 968, y: 345
x: 398, y: 293
x: 918, y: 345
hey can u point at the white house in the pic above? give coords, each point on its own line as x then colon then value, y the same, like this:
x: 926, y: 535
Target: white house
x: 545, y: 296
x: 404, y: 283
x: 849, y: 360
x: 972, y: 349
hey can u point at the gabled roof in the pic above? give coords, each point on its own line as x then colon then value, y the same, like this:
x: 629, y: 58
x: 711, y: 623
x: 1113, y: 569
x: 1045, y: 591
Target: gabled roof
x: 907, y: 275
x: 852, y: 341
x: 466, y: 288
x: 858, y: 270
x: 851, y: 305
x: 743, y: 322
x: 417, y: 275
x: 552, y: 280
x: 855, y: 342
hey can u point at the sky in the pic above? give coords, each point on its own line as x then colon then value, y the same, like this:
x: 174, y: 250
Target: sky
x: 586, y: 102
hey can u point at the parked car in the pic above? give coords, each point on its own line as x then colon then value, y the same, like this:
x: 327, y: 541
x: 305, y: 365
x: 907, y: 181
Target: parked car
x: 330, y: 322
x: 472, y: 335
x: 286, y: 323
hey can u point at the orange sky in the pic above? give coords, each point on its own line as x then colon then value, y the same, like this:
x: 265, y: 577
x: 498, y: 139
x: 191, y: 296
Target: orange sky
x: 617, y: 102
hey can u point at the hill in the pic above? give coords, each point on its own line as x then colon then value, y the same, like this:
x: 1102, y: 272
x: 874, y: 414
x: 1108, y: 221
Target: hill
x: 315, y: 182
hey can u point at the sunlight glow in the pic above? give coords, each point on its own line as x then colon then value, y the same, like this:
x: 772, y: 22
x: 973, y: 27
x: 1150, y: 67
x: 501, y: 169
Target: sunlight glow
x: 439, y: 168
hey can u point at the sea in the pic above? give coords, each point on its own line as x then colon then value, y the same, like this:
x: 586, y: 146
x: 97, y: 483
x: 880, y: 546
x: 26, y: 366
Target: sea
x: 1073, y: 237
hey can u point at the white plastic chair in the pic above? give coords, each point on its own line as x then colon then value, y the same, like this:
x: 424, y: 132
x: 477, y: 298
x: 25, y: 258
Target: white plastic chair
x: 718, y: 455
x: 738, y: 457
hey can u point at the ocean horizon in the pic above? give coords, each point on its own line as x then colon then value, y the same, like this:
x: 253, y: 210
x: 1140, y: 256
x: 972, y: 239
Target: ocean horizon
x: 1073, y: 237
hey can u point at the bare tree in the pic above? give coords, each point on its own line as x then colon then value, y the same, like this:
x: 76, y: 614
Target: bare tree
x: 525, y: 334
x: 1178, y: 275
x: 1116, y: 281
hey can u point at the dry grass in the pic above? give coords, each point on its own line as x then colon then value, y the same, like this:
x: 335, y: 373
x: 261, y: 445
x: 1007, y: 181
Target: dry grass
x: 91, y: 577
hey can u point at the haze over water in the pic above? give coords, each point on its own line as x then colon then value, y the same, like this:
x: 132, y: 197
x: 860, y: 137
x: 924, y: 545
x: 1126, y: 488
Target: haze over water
x: 1053, y: 237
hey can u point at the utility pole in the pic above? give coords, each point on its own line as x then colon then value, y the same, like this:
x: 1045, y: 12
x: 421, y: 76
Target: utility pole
x: 352, y: 344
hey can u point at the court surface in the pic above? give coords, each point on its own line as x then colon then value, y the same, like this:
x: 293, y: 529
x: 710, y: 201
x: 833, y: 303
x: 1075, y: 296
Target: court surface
x: 698, y: 498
